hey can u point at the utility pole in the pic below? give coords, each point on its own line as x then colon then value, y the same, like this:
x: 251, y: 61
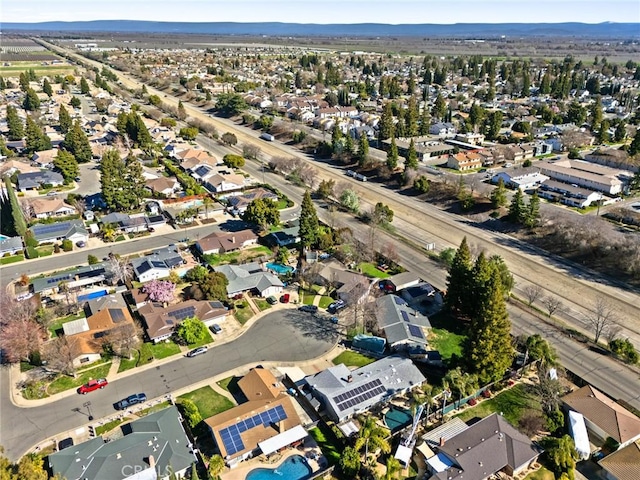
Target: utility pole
x: 88, y: 406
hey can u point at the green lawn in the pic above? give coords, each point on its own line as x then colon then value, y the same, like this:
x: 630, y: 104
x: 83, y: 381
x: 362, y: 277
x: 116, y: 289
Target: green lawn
x: 164, y: 349
x: 107, y: 427
x: 447, y: 343
x: 208, y: 401
x: 63, y: 383
x: 541, y: 474
x: 230, y: 384
x: 262, y: 304
x: 11, y: 259
x: 205, y: 341
x: 243, y: 311
x: 57, y: 324
x: 353, y: 359
x: 155, y: 408
x: 513, y: 403
x: 145, y: 354
x: 235, y: 257
x: 327, y: 442
x: 370, y: 270
x: 325, y: 301
x: 306, y: 297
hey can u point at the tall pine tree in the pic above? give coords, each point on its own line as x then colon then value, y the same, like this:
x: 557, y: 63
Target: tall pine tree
x: 76, y: 142
x: 392, y: 155
x: 459, y: 279
x: 411, y: 162
x: 309, y: 225
x: 363, y: 150
x: 36, y: 140
x: 64, y: 119
x: 15, y: 125
x: 517, y: 209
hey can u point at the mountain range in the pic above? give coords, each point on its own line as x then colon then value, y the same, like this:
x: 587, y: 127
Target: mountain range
x: 458, y: 30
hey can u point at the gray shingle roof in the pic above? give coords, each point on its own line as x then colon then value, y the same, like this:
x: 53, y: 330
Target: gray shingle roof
x: 400, y: 322
x: 247, y: 277
x: 37, y: 179
x: 51, y: 231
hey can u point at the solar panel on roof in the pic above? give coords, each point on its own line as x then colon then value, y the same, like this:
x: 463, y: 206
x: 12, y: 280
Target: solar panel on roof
x: 116, y: 315
x: 399, y: 301
x: 405, y: 316
x: 415, y: 331
x: 231, y: 437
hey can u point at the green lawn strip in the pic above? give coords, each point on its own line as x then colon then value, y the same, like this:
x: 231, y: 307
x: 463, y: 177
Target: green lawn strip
x: 327, y: 442
x: 139, y: 357
x: 205, y: 341
x: 155, y: 408
x: 208, y: 401
x: 232, y: 257
x: 35, y: 390
x: 242, y: 311
x: 230, y: 384
x: 306, y: 298
x: 26, y: 366
x: 325, y: 301
x: 45, y: 250
x: 541, y: 474
x: 370, y: 270
x: 353, y: 359
x: 164, y: 349
x: 447, y: 343
x: 11, y: 259
x: 57, y: 324
x: 512, y: 403
x: 107, y: 427
x: 262, y: 304
x: 63, y: 383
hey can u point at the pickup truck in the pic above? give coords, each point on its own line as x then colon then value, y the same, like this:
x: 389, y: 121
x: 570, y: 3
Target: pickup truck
x: 131, y: 400
x: 92, y: 385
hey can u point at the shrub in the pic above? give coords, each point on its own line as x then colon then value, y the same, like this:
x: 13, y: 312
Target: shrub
x: 32, y: 252
x: 56, y: 248
x: 190, y: 412
x: 67, y: 245
x: 92, y: 259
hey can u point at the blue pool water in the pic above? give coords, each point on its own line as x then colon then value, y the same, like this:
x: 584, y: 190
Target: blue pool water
x: 3, y: 237
x: 293, y: 468
x: 397, y: 418
x: 279, y: 268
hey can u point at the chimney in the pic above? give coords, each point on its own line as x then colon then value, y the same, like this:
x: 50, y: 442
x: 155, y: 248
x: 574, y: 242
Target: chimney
x: 233, y: 239
x: 442, y: 440
x: 152, y: 461
x: 350, y: 379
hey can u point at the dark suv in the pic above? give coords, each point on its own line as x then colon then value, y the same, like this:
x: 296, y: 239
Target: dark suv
x: 131, y: 400
x: 308, y: 308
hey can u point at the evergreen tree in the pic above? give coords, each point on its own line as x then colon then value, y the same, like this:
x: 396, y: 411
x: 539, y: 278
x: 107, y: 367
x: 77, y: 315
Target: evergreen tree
x: 15, y: 125
x: 336, y: 140
x: 3, y: 84
x: 385, y: 126
x: 459, y: 279
x: 439, y: 107
x: 66, y: 163
x: 596, y: 114
x: 489, y: 350
x: 46, y: 87
x: 363, y: 150
x: 621, y: 132
x: 532, y: 214
x: 634, y: 148
x: 348, y: 145
x: 493, y: 124
x: 134, y: 182
x: 392, y: 155
x: 499, y: 195
x: 76, y: 142
x: 84, y: 86
x: 526, y: 82
x: 112, y: 178
x: 603, y: 132
x: 517, y: 210
x: 309, y: 225
x: 425, y: 122
x: 36, y: 140
x: 411, y: 118
x: 31, y: 101
x: 411, y: 162
x: 64, y: 119
x: 545, y: 84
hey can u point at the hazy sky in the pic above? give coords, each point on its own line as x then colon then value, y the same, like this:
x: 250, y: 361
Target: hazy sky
x: 319, y: 11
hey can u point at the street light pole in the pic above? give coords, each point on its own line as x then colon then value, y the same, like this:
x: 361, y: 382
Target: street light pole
x: 88, y: 406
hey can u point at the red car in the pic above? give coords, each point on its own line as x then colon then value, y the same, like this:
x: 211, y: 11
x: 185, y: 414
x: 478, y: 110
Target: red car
x: 93, y: 385
x: 284, y: 298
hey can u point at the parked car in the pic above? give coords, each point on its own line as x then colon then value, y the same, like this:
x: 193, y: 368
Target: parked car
x: 92, y: 385
x: 272, y: 300
x: 197, y: 351
x: 52, y: 194
x: 308, y: 308
x: 285, y: 298
x: 81, y: 244
x: 151, y: 229
x: 65, y: 443
x: 335, y: 306
x: 215, y: 328
x: 131, y: 400
x: 334, y: 320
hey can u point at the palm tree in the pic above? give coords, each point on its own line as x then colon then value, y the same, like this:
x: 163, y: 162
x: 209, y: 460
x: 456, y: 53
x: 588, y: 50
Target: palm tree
x: 428, y: 400
x: 108, y: 231
x: 207, y: 202
x: 393, y: 467
x: 462, y: 383
x: 372, y: 435
x: 216, y: 466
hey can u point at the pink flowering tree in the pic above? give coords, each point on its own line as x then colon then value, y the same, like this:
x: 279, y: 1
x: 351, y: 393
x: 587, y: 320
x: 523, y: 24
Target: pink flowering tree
x: 159, y: 290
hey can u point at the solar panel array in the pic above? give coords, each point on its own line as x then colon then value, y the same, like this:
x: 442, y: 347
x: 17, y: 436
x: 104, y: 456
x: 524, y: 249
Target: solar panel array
x: 405, y: 316
x: 40, y: 229
x: 116, y: 315
x: 415, y: 331
x: 183, y: 313
x: 357, y: 395
x: 399, y: 301
x: 231, y: 435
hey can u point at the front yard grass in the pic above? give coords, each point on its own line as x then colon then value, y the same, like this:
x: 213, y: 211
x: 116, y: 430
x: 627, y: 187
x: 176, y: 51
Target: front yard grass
x: 155, y: 408
x: 205, y: 341
x: 63, y: 383
x: 325, y: 301
x: 45, y: 250
x: 353, y: 359
x: 242, y: 311
x: 230, y: 384
x: 370, y: 270
x: 164, y: 349
x: 327, y: 442
x: 239, y: 256
x: 262, y: 304
x: 208, y: 401
x: 541, y: 474
x: 513, y: 403
x: 446, y: 342
x: 142, y: 356
x: 11, y: 259
x: 107, y: 427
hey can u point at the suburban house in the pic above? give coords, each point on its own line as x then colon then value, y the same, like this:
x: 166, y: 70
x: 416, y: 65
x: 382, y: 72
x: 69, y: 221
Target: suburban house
x: 403, y: 326
x: 239, y: 203
x: 399, y: 281
x: 266, y: 423
x: 443, y: 129
x: 350, y: 286
x: 344, y: 393
x: 283, y: 238
x: 10, y: 245
x: 54, y: 232
x: 158, y: 264
x: 250, y: 277
x: 456, y: 451
x: 95, y: 305
x: 75, y: 278
x: 44, y: 158
x: 526, y: 181
x: 150, y: 448
x: 603, y: 417
x: 224, y: 183
x: 132, y: 223
x: 9, y: 167
x: 89, y: 334
x: 464, y: 161
x: 36, y: 180
x: 167, y: 186
x: 623, y: 464
x: 160, y: 321
x: 49, y: 207
x: 223, y: 242
x: 584, y: 174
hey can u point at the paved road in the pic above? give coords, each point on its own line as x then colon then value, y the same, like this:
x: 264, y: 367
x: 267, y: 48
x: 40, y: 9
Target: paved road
x: 284, y: 336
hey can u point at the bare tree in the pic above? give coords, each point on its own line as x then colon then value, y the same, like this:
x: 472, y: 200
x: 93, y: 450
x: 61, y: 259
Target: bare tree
x: 553, y: 304
x: 20, y: 336
x: 532, y: 292
x: 613, y: 331
x: 390, y: 252
x: 120, y: 268
x: 602, y: 318
x: 308, y: 175
x: 251, y: 151
x: 124, y: 339
x: 60, y: 354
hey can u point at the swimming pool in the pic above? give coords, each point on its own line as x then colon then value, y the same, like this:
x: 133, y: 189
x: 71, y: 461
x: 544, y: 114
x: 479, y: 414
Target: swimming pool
x: 397, y: 418
x: 3, y: 237
x: 279, y: 268
x: 293, y: 468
